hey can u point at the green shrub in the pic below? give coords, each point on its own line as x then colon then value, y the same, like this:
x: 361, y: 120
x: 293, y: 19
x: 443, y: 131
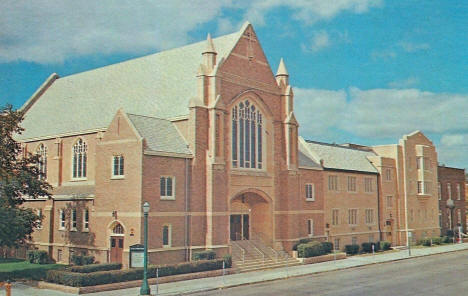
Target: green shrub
x: 352, y: 249
x: 436, y: 240
x: 425, y: 242
x: 95, y: 267
x: 367, y: 247
x: 38, y: 257
x: 327, y: 247
x: 311, y: 249
x: 227, y: 261
x: 300, y: 242
x: 33, y: 273
x: 204, y: 255
x: 82, y: 260
x: 384, y: 245
x: 449, y: 233
x: 79, y: 279
x: 446, y: 240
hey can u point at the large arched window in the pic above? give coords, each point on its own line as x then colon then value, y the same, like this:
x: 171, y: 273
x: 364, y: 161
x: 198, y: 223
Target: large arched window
x: 42, y: 165
x: 80, y: 150
x: 246, y: 136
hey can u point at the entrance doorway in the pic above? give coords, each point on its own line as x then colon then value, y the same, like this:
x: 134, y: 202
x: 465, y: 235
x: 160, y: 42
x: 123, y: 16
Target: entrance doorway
x: 240, y: 227
x: 116, y: 249
x: 116, y: 243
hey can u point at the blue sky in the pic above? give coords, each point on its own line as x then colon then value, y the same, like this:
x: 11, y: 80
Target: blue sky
x: 365, y: 71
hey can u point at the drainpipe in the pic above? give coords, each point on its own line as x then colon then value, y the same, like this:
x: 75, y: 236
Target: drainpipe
x: 405, y: 192
x: 378, y: 206
x: 187, y: 208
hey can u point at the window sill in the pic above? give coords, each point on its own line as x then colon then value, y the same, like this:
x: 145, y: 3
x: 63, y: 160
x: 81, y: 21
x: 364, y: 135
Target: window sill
x: 62, y: 229
x: 119, y: 177
x: 166, y: 246
x: 249, y: 172
x: 167, y: 198
x: 74, y: 229
x: 310, y: 199
x: 85, y: 230
x: 78, y: 179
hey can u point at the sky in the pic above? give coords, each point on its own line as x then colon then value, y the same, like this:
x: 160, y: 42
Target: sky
x: 362, y: 71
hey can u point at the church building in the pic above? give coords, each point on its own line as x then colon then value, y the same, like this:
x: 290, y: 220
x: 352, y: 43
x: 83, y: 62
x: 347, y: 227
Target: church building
x: 206, y: 134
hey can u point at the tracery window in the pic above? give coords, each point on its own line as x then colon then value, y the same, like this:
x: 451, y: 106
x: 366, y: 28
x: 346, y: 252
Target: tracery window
x: 42, y: 165
x: 247, y: 134
x: 80, y: 150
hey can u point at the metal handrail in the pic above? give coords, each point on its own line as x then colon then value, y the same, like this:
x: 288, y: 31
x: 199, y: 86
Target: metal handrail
x: 260, y: 237
x: 256, y: 249
x: 242, y: 252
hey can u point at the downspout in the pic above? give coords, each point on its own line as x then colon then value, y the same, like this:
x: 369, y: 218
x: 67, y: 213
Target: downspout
x: 378, y: 206
x: 186, y: 228
x: 405, y: 193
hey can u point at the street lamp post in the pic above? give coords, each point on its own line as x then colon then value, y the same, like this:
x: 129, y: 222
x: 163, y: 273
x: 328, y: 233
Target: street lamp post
x: 451, y: 206
x: 145, y: 289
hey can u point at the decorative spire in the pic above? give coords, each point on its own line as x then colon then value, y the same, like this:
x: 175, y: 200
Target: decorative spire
x: 209, y: 45
x: 282, y: 71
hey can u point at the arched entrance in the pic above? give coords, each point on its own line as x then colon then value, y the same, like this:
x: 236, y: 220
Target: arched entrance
x: 250, y: 217
x: 116, y: 242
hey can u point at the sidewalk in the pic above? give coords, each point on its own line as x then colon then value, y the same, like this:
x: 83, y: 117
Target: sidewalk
x: 214, y: 283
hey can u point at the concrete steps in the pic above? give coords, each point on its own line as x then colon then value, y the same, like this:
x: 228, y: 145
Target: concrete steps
x: 254, y: 255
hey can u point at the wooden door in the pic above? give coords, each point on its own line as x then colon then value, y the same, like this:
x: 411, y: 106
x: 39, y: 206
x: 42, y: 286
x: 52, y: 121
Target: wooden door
x: 117, y: 243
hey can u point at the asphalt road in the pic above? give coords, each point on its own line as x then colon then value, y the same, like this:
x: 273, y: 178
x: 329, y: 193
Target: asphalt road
x: 443, y: 274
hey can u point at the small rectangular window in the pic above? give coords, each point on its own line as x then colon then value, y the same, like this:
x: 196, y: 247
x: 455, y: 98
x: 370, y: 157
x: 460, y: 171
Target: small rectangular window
x: 439, y: 190
x: 118, y: 166
x: 368, y: 185
x: 389, y: 202
x: 86, y: 220
x: 351, y: 184
x: 458, y: 192
x: 337, y: 244
x: 62, y: 219
x: 166, y: 235
x: 369, y: 216
x: 310, y: 192
x: 333, y: 183
x: 310, y: 227
x: 335, y: 213
x: 388, y: 174
x: 73, y: 219
x: 166, y: 187
x: 449, y: 190
x: 352, y: 216
x: 354, y: 240
x: 420, y: 187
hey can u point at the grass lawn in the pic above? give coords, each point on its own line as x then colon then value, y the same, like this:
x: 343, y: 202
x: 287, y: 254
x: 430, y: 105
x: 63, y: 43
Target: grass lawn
x: 19, y: 269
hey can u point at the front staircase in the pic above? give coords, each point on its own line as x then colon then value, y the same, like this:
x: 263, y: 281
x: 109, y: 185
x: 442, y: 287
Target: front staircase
x: 250, y: 255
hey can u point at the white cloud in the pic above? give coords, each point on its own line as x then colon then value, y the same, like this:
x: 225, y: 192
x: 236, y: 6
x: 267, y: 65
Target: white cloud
x: 319, y: 41
x: 52, y: 31
x: 409, y: 82
x: 382, y: 114
x: 413, y: 47
x: 318, y: 110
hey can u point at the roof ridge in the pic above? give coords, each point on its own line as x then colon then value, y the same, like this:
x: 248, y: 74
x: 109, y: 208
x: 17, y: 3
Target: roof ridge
x: 338, y: 146
x: 152, y: 117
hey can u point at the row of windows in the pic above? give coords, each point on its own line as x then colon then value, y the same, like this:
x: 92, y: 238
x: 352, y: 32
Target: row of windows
x: 74, y: 220
x: 422, y: 215
x: 449, y: 191
x: 333, y: 184
x: 424, y: 187
x: 353, y: 216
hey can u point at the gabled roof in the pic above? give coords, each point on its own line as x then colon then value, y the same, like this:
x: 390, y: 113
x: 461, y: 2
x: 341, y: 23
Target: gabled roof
x: 160, y: 135
x: 306, y: 159
x: 341, y: 158
x: 158, y: 85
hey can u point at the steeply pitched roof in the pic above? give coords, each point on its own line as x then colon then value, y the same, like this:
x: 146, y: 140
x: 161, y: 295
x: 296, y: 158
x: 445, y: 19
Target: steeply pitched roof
x: 341, y: 158
x: 159, y: 85
x: 160, y: 135
x: 306, y: 159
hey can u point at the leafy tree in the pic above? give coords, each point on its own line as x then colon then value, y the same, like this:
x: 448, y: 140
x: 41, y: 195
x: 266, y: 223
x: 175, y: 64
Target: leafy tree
x: 19, y: 179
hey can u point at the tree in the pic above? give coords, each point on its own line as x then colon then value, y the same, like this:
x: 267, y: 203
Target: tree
x: 19, y: 179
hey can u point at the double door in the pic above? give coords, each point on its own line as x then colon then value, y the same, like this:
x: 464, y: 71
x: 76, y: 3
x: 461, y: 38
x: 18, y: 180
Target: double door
x: 117, y: 243
x: 239, y: 227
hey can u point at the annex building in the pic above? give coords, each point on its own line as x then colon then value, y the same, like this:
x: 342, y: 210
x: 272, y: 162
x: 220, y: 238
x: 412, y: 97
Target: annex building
x: 206, y: 134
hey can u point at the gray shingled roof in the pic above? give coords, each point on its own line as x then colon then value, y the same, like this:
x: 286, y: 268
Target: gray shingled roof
x: 159, y: 85
x: 342, y: 158
x: 306, y: 160
x: 160, y: 135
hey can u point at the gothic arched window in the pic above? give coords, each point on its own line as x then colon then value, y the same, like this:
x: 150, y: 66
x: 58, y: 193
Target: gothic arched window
x: 42, y: 165
x: 80, y: 150
x: 246, y: 138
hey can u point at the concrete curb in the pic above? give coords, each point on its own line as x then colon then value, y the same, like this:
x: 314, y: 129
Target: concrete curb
x: 208, y: 289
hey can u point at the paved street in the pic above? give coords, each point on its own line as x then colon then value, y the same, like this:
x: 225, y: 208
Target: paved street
x: 442, y: 274
x: 357, y: 278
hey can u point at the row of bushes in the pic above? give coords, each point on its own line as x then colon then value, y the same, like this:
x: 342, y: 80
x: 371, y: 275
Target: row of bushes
x: 95, y: 267
x: 428, y: 241
x: 204, y: 255
x: 313, y: 249
x: 36, y: 273
x: 77, y: 279
x: 367, y: 247
x: 82, y: 260
x: 38, y: 257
